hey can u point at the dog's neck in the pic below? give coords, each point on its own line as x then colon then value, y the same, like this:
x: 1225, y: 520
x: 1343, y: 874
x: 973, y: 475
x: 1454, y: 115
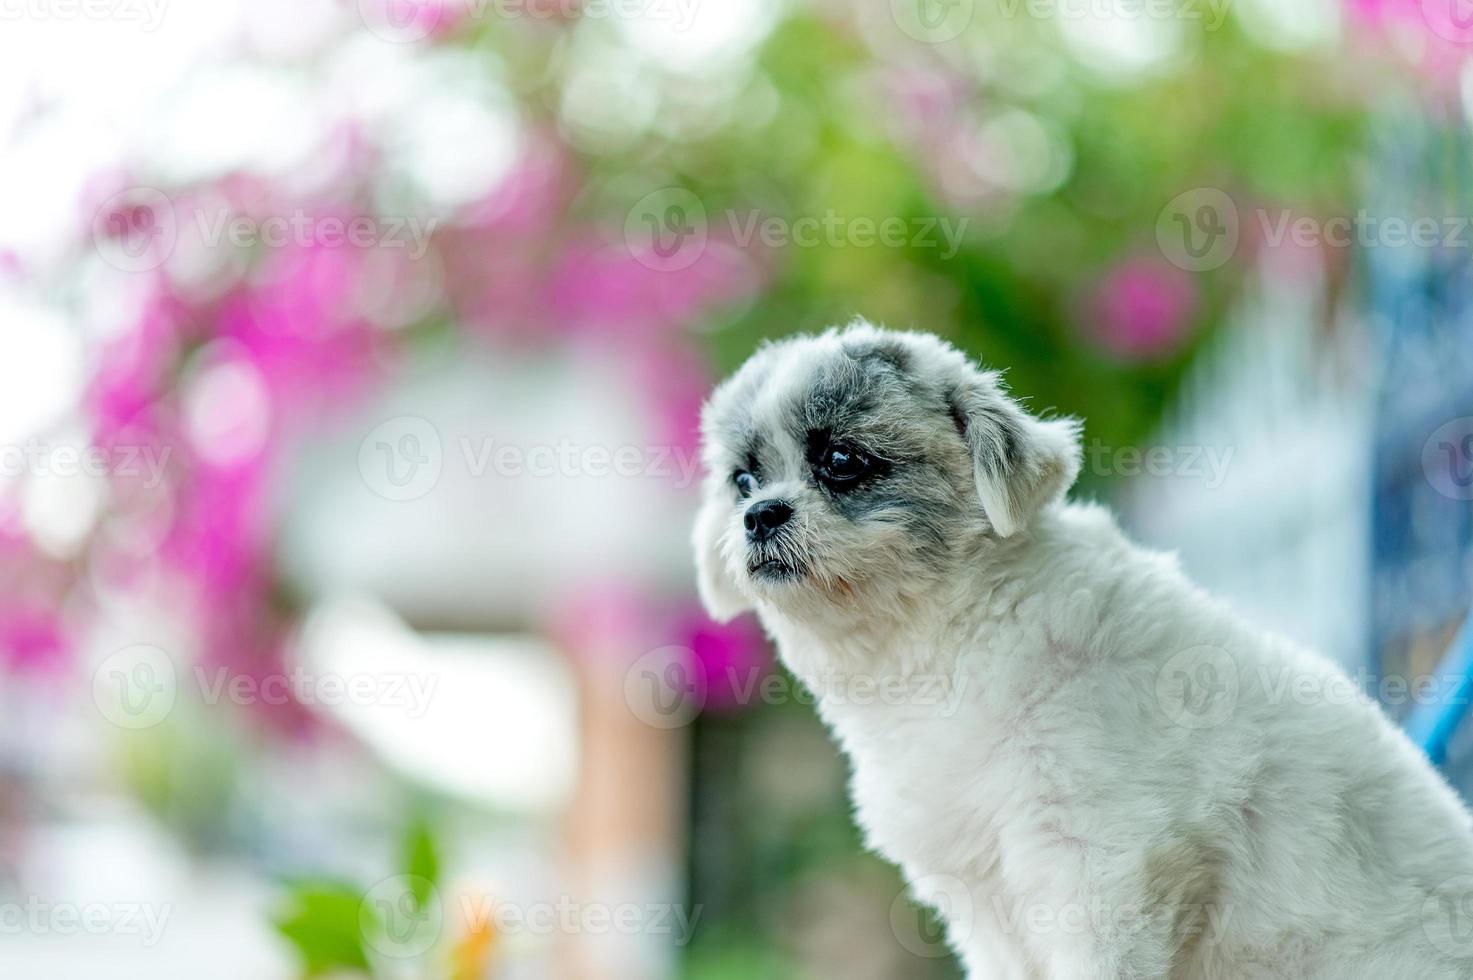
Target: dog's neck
x: 891, y: 630
x: 897, y: 630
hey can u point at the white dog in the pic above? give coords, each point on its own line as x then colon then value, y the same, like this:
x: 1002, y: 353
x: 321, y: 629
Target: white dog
x: 1091, y: 768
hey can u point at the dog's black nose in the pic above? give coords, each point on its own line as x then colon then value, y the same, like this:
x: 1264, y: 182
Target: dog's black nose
x: 765, y: 517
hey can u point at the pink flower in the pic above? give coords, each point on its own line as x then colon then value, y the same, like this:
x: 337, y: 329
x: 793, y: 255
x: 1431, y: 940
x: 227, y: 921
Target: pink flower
x: 1142, y: 309
x: 133, y: 370
x: 33, y: 590
x: 677, y: 382
x: 31, y: 638
x: 300, y: 328
x: 734, y: 658
x: 1434, y: 35
x: 415, y: 19
x: 606, y: 288
x: 220, y: 534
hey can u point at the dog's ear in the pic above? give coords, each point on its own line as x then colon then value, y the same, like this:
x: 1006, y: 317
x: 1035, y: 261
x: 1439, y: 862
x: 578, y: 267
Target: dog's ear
x: 1021, y: 463
x: 718, y: 592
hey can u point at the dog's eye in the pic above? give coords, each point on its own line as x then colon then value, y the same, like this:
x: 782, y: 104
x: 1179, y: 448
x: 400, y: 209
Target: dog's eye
x: 843, y: 464
x: 745, y: 482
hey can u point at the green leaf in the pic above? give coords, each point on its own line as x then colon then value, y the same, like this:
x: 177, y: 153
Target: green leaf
x: 321, y: 919
x: 421, y: 859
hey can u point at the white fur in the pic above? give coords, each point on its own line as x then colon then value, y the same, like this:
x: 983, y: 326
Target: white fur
x: 1030, y: 763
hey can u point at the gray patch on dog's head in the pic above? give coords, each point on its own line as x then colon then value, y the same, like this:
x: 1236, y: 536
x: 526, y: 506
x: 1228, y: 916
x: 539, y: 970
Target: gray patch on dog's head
x: 949, y: 463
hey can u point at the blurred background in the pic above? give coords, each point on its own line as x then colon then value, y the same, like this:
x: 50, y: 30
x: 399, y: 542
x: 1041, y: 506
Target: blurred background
x: 350, y: 359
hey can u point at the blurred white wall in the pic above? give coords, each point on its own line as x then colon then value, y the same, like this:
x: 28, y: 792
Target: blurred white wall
x: 489, y: 491
x: 1280, y: 528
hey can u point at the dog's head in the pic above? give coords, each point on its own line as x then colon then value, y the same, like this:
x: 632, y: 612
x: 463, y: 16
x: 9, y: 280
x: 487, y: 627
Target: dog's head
x: 863, y: 462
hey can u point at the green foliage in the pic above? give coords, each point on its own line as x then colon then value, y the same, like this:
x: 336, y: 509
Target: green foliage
x: 322, y: 921
x: 1270, y: 128
x: 330, y: 923
x: 421, y: 859
x: 738, y: 962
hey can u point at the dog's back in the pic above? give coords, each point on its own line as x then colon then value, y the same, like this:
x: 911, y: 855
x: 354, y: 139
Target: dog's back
x: 1129, y: 781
